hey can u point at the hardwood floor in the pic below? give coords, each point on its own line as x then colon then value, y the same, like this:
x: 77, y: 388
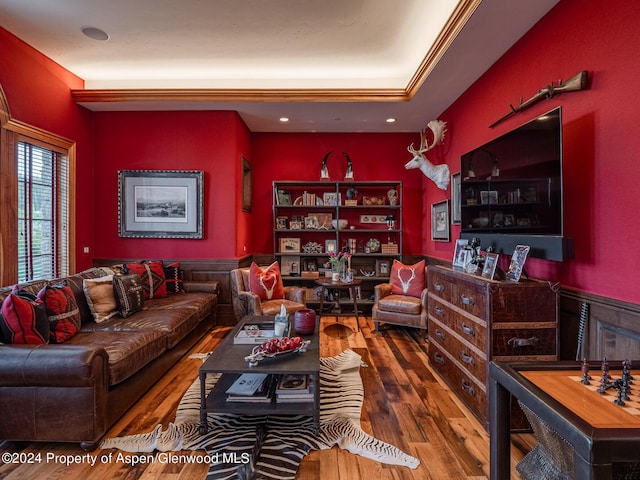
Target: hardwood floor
x: 406, y: 404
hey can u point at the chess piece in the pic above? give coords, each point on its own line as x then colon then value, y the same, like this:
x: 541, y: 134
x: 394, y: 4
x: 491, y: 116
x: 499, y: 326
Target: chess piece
x: 605, y: 369
x: 585, y: 373
x: 618, y: 401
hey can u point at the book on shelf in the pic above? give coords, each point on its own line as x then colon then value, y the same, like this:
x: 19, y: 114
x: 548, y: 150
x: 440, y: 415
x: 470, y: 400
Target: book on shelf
x: 293, y: 382
x: 255, y: 333
x: 247, y: 384
x: 297, y: 396
x: 264, y: 393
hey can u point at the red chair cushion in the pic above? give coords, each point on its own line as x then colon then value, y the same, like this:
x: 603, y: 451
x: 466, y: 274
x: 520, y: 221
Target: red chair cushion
x: 408, y: 280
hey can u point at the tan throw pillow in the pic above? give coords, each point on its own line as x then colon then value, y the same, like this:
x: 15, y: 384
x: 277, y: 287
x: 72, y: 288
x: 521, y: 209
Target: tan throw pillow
x: 100, y: 297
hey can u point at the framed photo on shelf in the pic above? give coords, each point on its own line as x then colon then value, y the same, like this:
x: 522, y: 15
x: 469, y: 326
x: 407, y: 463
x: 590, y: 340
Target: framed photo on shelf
x: 290, y: 265
x: 461, y: 255
x: 289, y: 245
x: 310, y: 265
x: 490, y: 263
x: 283, y: 197
x: 383, y: 268
x: 331, y: 246
x: 456, y: 199
x: 295, y: 225
x: 160, y: 203
x: 324, y: 220
x: 311, y: 222
x: 331, y: 199
x: 440, y: 228
x: 281, y: 223
x: 517, y: 262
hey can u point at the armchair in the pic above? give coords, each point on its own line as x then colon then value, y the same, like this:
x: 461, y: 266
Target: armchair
x: 247, y: 303
x: 406, y: 307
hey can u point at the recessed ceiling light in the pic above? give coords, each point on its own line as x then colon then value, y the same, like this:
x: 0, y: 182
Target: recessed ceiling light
x: 95, y: 33
x: 390, y: 120
x: 284, y: 119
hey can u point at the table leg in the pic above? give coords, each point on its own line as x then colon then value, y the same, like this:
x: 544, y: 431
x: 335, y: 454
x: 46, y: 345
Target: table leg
x: 203, y: 404
x: 322, y: 292
x: 355, y: 304
x: 499, y: 431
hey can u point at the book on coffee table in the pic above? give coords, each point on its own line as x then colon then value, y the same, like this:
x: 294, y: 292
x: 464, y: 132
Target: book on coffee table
x: 254, y: 333
x: 264, y: 393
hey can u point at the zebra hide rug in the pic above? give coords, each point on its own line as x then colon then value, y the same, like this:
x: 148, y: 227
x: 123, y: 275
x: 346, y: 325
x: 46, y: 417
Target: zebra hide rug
x: 272, y: 447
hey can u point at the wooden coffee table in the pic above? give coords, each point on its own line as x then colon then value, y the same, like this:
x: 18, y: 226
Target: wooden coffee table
x: 229, y: 359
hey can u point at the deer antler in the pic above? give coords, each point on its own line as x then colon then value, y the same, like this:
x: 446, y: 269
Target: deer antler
x: 438, y: 128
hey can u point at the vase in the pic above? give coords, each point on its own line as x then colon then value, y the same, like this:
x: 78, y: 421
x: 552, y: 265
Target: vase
x: 305, y: 321
x: 337, y: 269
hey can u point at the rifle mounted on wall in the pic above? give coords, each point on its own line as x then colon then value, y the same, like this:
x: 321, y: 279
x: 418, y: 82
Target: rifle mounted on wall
x: 574, y: 84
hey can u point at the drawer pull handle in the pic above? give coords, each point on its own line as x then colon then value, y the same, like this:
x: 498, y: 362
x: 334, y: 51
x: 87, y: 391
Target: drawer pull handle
x: 467, y: 300
x: 468, y: 388
x: 439, y: 335
x: 468, y: 330
x: 438, y: 311
x: 467, y: 358
x: 522, y: 342
x: 438, y: 287
x: 438, y: 358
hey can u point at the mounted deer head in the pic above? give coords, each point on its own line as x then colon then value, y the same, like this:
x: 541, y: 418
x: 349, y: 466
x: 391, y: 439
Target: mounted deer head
x: 438, y: 173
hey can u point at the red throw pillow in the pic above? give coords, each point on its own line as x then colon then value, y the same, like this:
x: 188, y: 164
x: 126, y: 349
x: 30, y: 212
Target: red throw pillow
x: 267, y: 282
x: 62, y: 310
x: 408, y: 279
x: 173, y: 278
x: 151, y: 276
x: 24, y: 319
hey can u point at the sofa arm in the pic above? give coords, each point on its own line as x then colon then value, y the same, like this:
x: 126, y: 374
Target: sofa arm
x: 380, y: 291
x: 52, y: 365
x: 295, y: 294
x: 212, y: 286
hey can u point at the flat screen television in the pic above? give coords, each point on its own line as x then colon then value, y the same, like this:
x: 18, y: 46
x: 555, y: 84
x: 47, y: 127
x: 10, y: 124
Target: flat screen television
x: 511, y: 190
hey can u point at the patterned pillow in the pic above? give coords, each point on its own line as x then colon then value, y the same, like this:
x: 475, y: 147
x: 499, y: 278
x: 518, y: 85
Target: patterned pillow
x: 173, y: 278
x: 100, y: 297
x: 62, y: 310
x: 152, y: 277
x: 267, y: 282
x: 408, y: 279
x: 129, y: 293
x: 24, y: 319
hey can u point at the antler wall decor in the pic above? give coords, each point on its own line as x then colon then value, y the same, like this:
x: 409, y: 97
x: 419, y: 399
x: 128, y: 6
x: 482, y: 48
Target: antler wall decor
x: 324, y: 171
x: 438, y: 173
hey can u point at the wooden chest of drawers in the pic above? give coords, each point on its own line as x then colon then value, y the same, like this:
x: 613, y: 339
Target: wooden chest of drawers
x: 473, y: 320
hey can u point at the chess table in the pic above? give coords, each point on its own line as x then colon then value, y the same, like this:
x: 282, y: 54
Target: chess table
x: 581, y: 434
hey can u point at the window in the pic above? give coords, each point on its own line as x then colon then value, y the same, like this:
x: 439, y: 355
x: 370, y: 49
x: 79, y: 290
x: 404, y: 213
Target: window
x: 42, y: 212
x: 37, y: 201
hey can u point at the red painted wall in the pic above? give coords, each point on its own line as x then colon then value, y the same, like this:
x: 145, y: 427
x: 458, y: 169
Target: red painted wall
x: 601, y: 136
x: 201, y: 140
x: 38, y: 93
x: 298, y: 156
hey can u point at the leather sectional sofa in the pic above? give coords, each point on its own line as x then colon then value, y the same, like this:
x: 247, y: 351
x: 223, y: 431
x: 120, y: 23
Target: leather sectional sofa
x: 76, y: 390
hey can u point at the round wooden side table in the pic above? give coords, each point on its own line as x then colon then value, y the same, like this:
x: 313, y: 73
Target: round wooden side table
x: 328, y: 284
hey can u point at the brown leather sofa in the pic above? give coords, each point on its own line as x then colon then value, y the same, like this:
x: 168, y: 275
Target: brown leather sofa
x: 76, y: 390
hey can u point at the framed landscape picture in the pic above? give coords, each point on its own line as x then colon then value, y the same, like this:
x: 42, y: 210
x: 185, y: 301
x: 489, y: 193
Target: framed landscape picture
x: 160, y: 203
x: 440, y: 221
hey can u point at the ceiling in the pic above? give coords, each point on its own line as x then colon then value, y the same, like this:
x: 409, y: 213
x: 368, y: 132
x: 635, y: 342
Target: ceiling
x: 329, y: 66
